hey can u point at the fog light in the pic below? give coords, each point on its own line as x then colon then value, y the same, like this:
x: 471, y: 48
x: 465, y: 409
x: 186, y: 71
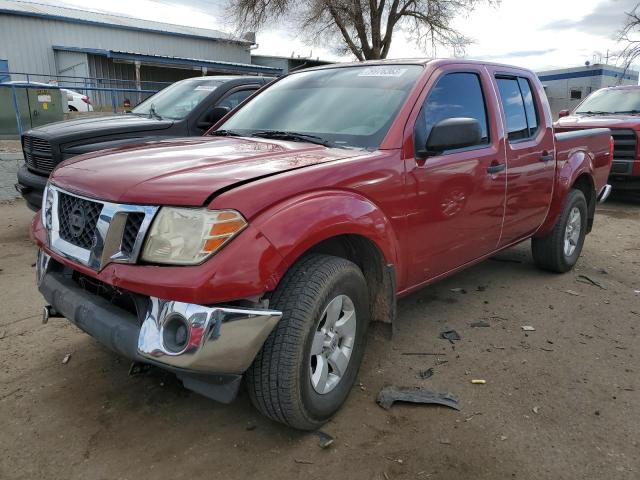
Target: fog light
x: 175, y: 333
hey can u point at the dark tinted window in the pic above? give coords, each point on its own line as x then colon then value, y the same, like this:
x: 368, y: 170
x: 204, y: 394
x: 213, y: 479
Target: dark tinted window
x: 234, y: 99
x: 529, y: 105
x: 454, y: 95
x: 513, y: 107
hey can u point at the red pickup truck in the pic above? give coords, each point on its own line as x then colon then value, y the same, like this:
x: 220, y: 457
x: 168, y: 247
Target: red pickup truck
x: 264, y: 249
x: 617, y: 108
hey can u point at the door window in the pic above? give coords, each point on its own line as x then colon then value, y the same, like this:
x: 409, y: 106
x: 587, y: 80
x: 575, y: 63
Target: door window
x: 519, y: 108
x: 234, y: 99
x: 454, y: 95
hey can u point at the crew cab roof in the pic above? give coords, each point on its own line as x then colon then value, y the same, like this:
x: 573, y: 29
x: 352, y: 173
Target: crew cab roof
x: 417, y: 61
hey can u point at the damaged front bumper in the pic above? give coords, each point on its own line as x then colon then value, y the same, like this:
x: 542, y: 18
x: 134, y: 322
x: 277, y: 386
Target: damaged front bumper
x: 205, y: 346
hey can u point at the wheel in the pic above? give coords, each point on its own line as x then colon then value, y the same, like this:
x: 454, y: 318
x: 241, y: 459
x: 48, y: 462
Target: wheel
x: 308, y: 364
x: 560, y: 249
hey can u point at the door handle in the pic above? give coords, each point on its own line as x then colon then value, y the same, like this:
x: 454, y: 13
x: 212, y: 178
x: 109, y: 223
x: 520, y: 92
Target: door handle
x: 546, y: 157
x: 496, y: 168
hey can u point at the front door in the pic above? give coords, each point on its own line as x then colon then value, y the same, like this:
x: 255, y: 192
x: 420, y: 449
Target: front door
x: 459, y: 195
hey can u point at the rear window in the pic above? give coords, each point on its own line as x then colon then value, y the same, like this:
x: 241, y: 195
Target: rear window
x: 521, y: 115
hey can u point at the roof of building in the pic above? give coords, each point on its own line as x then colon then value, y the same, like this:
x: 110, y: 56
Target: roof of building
x: 174, y: 61
x: 597, y: 69
x: 75, y: 15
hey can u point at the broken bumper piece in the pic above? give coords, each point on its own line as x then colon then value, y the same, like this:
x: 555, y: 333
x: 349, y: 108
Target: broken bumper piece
x: 207, y: 347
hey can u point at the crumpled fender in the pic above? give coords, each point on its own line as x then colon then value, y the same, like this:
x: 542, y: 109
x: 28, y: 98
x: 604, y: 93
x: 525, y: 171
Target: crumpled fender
x: 294, y: 226
x: 578, y: 163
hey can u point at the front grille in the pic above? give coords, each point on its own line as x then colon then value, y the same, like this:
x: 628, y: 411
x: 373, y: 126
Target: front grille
x: 36, y: 162
x: 131, y: 230
x: 38, y: 154
x: 624, y: 144
x: 77, y: 218
x: 621, y: 167
x: 34, y: 143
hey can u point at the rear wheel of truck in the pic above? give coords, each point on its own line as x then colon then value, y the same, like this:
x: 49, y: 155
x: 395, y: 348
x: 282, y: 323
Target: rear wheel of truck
x: 560, y: 249
x: 308, y: 364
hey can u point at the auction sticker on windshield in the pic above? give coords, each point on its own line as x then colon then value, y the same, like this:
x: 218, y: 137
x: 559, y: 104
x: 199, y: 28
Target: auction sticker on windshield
x: 382, y: 72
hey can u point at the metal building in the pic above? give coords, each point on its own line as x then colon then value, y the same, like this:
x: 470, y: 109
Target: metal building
x: 567, y: 87
x: 287, y: 64
x: 51, y: 40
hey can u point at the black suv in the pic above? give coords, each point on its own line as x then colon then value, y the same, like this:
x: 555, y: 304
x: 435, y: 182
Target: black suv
x: 186, y: 108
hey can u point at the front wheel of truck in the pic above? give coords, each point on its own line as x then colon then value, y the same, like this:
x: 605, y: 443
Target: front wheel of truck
x: 308, y: 364
x: 559, y: 250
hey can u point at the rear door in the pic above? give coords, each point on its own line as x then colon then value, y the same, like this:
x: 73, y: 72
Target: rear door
x: 530, y: 155
x: 458, y: 203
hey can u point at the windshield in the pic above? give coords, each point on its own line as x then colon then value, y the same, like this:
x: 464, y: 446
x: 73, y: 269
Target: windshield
x: 623, y: 100
x: 177, y: 100
x: 343, y: 107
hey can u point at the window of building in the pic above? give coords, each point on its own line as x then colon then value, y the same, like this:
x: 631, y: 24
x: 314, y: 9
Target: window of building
x: 454, y: 95
x: 576, y: 94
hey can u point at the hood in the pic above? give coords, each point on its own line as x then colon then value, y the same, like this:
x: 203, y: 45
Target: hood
x: 184, y: 171
x: 573, y: 122
x: 98, y: 126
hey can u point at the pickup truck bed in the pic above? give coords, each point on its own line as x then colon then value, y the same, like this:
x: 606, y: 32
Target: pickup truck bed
x: 264, y: 249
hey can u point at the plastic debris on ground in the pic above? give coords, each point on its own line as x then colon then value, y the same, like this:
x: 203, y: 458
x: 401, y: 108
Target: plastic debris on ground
x: 428, y: 373
x: 528, y: 328
x: 450, y: 335
x: 66, y: 359
x: 573, y: 292
x: 480, y: 324
x: 478, y: 381
x: 391, y: 394
x: 324, y: 439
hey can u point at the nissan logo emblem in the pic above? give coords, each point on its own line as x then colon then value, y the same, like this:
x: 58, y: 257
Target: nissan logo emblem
x: 77, y: 221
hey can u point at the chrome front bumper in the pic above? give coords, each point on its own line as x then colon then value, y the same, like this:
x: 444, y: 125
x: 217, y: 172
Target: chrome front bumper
x: 216, y: 339
x: 219, y: 339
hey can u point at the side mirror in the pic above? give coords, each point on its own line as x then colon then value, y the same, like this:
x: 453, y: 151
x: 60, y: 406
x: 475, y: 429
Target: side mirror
x: 450, y: 134
x: 215, y: 114
x: 563, y: 113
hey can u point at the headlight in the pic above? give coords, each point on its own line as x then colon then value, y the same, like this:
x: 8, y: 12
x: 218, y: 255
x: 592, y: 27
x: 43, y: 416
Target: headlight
x: 47, y: 208
x: 187, y: 236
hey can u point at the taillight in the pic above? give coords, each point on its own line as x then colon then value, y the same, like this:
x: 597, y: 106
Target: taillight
x: 85, y: 99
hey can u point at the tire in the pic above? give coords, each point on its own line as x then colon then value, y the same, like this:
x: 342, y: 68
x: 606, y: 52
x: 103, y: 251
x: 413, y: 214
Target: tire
x: 549, y: 252
x: 282, y: 381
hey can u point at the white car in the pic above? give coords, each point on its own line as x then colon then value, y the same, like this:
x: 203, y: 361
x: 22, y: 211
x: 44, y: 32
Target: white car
x: 76, y: 102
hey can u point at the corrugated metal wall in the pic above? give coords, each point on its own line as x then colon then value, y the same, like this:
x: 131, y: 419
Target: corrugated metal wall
x: 27, y: 43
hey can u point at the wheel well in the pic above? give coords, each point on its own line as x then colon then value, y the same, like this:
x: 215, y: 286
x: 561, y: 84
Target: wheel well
x: 380, y: 277
x: 584, y: 183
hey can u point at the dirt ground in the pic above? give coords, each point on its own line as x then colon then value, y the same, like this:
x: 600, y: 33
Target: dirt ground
x: 560, y: 402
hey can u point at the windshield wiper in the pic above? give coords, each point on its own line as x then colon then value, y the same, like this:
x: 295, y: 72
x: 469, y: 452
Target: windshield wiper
x: 293, y: 136
x: 595, y: 112
x: 632, y: 112
x: 226, y: 133
x: 153, y: 113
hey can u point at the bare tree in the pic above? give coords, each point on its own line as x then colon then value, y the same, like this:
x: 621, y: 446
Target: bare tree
x: 364, y: 28
x: 630, y: 37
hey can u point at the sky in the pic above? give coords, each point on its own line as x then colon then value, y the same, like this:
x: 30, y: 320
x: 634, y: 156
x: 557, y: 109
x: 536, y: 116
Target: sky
x: 538, y: 34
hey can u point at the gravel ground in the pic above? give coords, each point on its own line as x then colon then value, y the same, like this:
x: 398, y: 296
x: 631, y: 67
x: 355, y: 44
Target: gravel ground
x: 560, y: 402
